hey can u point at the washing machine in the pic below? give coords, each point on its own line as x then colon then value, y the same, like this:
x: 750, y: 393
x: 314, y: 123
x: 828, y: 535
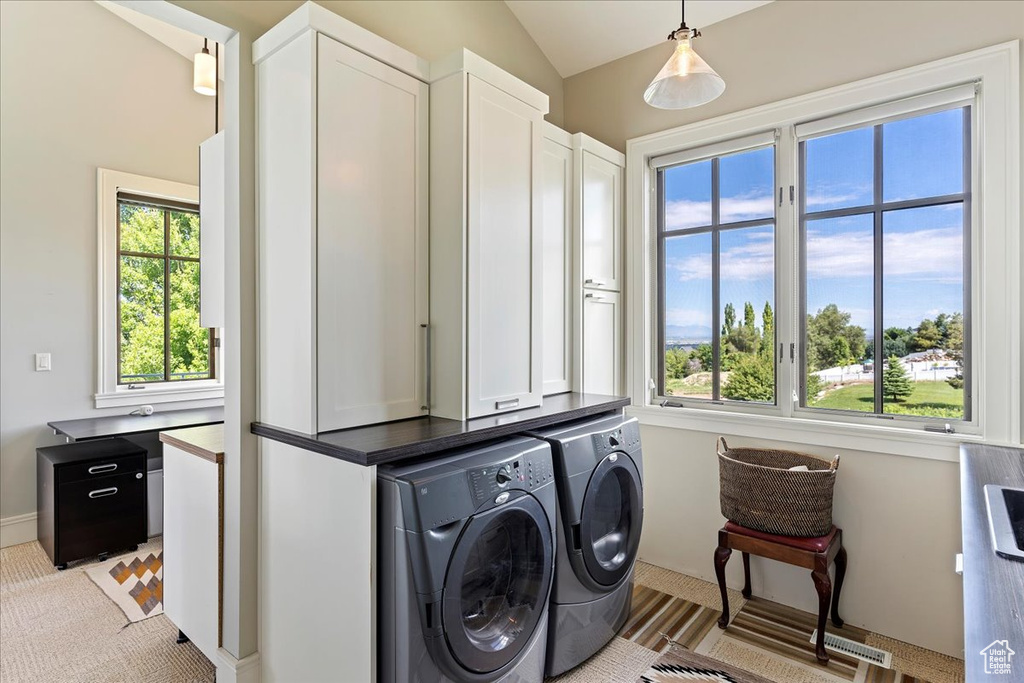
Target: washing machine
x: 599, y: 477
x: 466, y: 551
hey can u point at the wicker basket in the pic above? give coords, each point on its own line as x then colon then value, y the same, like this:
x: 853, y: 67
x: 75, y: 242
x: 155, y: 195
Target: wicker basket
x: 760, y: 492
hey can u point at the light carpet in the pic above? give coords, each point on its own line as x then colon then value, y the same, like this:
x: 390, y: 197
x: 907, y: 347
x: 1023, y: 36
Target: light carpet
x: 60, y: 627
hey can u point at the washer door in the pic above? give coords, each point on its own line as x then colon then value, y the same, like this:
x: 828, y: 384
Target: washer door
x: 610, y: 519
x: 497, y: 584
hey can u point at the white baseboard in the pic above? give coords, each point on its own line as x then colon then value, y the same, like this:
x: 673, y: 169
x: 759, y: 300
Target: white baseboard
x: 231, y: 670
x: 17, y: 529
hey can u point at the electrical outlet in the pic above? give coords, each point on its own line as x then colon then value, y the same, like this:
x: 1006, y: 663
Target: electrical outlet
x: 42, y: 362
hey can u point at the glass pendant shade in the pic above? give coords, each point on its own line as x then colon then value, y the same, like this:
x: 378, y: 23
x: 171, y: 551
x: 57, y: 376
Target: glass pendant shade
x: 204, y: 73
x: 685, y: 81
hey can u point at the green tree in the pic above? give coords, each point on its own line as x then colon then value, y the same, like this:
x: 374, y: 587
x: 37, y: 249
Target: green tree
x: 955, y: 348
x: 730, y: 319
x: 813, y: 385
x: 823, y: 329
x: 768, y: 334
x: 928, y: 336
x: 749, y: 322
x: 676, y: 363
x: 751, y: 379
x: 704, y: 354
x: 896, y: 383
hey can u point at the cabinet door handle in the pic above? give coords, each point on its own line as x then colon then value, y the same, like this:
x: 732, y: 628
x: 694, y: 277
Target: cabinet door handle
x: 504, y: 405
x: 596, y: 283
x: 597, y: 297
x: 427, y: 378
x: 101, y: 493
x: 100, y: 469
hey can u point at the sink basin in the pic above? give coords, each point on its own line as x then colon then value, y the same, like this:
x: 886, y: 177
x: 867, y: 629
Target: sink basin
x: 1006, y: 520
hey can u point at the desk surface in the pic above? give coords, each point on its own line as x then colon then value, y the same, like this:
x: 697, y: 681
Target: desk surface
x: 121, y: 425
x: 993, y: 585
x: 207, y: 441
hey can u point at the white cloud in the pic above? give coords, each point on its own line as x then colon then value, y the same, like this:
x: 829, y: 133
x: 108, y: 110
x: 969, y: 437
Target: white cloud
x: 688, y: 317
x: 753, y: 260
x: 936, y: 253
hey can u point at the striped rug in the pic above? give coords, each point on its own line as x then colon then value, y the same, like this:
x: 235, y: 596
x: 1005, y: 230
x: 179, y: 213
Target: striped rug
x: 658, y: 619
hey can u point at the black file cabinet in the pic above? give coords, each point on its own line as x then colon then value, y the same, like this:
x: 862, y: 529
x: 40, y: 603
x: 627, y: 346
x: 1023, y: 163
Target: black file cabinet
x: 91, y: 498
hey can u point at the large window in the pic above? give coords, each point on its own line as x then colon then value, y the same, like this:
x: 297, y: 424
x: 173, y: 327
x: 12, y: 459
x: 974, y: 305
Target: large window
x: 159, y: 336
x: 716, y: 275
x: 884, y: 232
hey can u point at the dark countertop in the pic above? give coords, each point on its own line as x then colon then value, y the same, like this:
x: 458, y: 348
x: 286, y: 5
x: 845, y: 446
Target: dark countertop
x: 120, y: 425
x: 406, y: 439
x: 993, y: 585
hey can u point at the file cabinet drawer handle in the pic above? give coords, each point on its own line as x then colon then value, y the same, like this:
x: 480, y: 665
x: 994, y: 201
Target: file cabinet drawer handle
x: 101, y: 493
x: 504, y: 405
x: 100, y: 469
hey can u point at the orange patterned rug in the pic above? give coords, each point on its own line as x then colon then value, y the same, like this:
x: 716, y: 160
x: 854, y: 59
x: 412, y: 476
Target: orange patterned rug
x: 134, y: 583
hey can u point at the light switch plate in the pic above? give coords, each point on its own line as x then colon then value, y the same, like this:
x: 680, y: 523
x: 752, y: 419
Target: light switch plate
x: 42, y: 362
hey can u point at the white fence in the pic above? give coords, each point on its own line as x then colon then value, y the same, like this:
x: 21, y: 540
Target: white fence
x: 919, y: 371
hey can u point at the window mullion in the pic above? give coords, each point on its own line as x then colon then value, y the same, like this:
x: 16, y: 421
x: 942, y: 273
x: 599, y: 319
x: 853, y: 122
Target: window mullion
x: 716, y: 294
x: 787, y: 275
x: 878, y: 333
x: 167, y: 296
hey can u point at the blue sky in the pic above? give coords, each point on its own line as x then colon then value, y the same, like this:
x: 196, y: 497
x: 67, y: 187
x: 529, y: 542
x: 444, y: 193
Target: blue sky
x: 923, y: 248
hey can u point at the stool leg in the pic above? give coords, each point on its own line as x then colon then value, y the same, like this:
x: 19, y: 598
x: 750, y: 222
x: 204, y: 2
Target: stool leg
x: 824, y: 587
x: 746, y: 575
x: 840, y: 574
x: 721, y: 557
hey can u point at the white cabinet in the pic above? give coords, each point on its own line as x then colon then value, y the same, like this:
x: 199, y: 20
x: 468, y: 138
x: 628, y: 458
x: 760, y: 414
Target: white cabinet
x: 211, y: 231
x: 371, y: 245
x: 601, y: 215
x: 602, y: 342
x: 485, y: 304
x: 343, y: 179
x: 557, y: 192
x: 191, y: 546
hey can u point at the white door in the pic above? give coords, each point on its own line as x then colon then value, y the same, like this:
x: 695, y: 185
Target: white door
x: 372, y: 124
x: 602, y: 343
x: 503, y: 246
x: 602, y: 223
x: 557, y: 244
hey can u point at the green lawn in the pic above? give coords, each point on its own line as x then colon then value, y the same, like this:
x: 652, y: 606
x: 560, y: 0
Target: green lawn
x: 930, y: 399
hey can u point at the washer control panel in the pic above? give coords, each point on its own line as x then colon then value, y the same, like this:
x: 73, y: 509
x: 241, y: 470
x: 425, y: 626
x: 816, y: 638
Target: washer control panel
x: 487, y: 483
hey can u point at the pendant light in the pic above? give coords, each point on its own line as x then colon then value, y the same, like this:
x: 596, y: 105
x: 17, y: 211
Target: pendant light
x: 204, y: 72
x: 686, y: 80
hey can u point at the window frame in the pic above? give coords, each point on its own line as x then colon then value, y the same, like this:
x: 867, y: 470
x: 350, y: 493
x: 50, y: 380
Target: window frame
x: 109, y: 392
x: 713, y: 153
x: 874, y: 119
x: 166, y: 207
x: 996, y: 242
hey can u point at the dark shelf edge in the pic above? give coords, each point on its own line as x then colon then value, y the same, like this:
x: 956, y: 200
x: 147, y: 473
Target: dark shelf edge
x: 433, y: 445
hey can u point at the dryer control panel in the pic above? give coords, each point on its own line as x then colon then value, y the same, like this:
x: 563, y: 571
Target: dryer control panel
x: 624, y: 438
x: 523, y: 473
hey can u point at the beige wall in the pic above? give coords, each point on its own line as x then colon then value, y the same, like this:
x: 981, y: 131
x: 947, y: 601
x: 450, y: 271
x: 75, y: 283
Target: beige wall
x: 101, y: 93
x: 431, y: 30
x: 900, y: 515
x: 901, y: 525
x: 784, y: 49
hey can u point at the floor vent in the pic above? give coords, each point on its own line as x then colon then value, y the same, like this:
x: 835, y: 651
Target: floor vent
x: 866, y: 653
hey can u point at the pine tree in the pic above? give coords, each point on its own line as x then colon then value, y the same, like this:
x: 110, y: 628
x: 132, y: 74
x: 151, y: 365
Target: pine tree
x: 896, y: 383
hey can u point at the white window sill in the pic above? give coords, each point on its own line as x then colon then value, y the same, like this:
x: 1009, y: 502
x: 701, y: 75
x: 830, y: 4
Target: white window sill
x: 194, y: 391
x: 802, y: 431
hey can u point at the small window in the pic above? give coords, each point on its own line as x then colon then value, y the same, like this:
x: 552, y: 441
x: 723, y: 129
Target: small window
x: 159, y: 337
x: 716, y: 276
x: 885, y: 226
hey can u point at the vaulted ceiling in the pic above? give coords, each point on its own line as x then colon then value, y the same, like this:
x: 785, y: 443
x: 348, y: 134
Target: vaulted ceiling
x: 577, y: 35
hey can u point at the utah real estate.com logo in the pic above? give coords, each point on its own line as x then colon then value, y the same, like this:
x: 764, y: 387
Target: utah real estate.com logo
x: 997, y: 657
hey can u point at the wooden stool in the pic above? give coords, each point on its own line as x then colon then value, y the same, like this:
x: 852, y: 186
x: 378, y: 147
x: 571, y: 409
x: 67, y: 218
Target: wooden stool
x: 815, y: 554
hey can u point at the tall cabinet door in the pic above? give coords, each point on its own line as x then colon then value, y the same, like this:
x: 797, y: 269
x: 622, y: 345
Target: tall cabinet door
x: 372, y: 280
x: 602, y: 343
x: 602, y: 222
x: 503, y: 244
x: 556, y: 167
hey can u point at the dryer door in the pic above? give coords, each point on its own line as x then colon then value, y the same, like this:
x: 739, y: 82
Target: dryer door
x: 497, y: 584
x: 610, y: 519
